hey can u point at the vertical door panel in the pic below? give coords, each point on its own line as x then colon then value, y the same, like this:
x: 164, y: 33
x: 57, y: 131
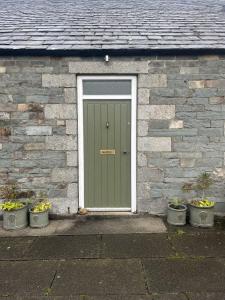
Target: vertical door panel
x: 107, y: 177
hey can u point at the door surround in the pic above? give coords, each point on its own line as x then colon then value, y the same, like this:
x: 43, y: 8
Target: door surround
x: 133, y: 98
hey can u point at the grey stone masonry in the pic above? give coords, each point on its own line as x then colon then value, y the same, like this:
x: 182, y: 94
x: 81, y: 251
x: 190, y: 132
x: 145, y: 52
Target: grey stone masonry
x: 180, y: 125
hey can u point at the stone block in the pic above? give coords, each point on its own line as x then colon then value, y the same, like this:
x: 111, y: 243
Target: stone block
x: 217, y: 100
x: 72, y: 191
x: 143, y: 190
x: 185, y: 132
x: 71, y: 127
x: 152, y: 81
x: 38, y: 98
x: 31, y: 107
x: 70, y: 95
x: 219, y: 83
x: 176, y: 124
x: 114, y: 66
x: 189, y: 154
x: 60, y: 111
x: 0, y: 146
x: 142, y: 128
x: 7, y: 107
x: 206, y: 92
x: 142, y: 159
x: 4, y: 116
x: 64, y: 175
x: 187, y: 162
x: 23, y: 107
x: 59, y: 80
x: 66, y: 143
x: 159, y: 124
x: 163, y: 162
x: 64, y: 206
x: 211, y: 162
x: 189, y: 70
x: 156, y: 112
x: 211, y: 131
x: 210, y: 57
x: 154, y: 144
x: 34, y: 146
x: 219, y: 172
x: 143, y: 96
x: 2, y: 70
x: 39, y: 130
x: 72, y: 158
x: 60, y: 122
x: 146, y: 174
x: 158, y: 206
x: 196, y: 84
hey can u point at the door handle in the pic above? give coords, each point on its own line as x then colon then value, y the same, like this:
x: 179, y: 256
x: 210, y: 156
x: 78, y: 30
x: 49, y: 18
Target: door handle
x: 124, y: 152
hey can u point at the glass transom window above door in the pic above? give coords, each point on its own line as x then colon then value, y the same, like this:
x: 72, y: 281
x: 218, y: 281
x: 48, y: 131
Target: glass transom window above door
x: 107, y: 87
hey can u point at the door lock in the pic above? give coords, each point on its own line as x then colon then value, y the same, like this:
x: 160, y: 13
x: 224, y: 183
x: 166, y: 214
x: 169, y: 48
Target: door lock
x: 107, y: 124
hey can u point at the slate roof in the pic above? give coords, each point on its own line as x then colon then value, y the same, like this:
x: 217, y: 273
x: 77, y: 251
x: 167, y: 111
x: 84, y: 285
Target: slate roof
x: 112, y: 24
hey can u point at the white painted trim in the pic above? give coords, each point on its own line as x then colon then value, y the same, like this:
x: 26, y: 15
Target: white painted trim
x: 109, y: 209
x: 106, y: 97
x: 80, y: 141
x: 133, y: 98
x: 133, y: 144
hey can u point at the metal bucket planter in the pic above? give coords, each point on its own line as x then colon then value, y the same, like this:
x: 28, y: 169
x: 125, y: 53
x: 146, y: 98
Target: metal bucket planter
x: 201, y: 216
x: 39, y: 219
x: 15, y: 219
x: 177, y: 216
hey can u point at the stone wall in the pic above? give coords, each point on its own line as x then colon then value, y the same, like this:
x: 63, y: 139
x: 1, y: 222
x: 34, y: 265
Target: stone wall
x: 181, y: 115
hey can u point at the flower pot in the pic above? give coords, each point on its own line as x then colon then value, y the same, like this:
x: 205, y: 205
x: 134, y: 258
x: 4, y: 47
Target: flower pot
x: 39, y: 219
x: 15, y: 219
x: 201, y: 216
x: 176, y: 216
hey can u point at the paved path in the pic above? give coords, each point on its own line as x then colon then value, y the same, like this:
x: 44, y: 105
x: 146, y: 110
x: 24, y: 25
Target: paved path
x: 182, y: 264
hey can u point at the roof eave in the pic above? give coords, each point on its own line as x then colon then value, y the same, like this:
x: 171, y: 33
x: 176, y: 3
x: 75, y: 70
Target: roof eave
x: 114, y: 52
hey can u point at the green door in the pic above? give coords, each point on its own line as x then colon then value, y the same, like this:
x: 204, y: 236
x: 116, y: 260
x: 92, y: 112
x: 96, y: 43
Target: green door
x: 107, y: 154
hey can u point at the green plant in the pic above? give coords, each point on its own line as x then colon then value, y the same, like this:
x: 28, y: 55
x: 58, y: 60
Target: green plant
x: 41, y: 206
x: 203, y: 183
x: 203, y: 203
x: 9, y: 192
x: 11, y: 205
x: 176, y: 203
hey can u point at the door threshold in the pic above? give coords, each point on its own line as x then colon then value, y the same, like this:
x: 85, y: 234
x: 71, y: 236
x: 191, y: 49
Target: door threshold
x: 109, y: 213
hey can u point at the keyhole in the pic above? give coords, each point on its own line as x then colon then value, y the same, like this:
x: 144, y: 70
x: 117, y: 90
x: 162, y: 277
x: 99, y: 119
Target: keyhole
x: 107, y: 124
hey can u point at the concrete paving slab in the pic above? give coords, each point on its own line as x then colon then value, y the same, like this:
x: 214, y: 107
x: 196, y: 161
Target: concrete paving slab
x: 99, y: 277
x: 185, y: 275
x: 116, y: 225
x: 14, y: 248
x: 85, y: 297
x: 26, y: 277
x: 170, y: 297
x: 65, y: 247
x: 136, y: 245
x: 210, y: 244
x: 206, y: 296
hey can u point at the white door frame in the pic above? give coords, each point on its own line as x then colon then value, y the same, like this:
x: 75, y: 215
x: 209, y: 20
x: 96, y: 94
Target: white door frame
x: 133, y: 98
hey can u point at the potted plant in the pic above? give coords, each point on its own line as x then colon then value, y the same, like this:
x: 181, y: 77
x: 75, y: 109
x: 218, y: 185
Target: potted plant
x: 14, y: 211
x: 176, y: 213
x: 201, y: 209
x: 39, y: 213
